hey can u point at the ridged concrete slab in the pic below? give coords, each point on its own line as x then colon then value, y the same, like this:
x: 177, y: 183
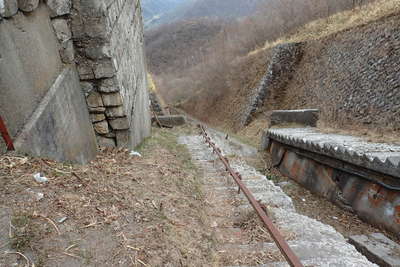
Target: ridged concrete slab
x: 384, y: 158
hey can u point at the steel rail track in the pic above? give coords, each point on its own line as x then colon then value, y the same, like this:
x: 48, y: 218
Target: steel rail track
x: 283, y: 246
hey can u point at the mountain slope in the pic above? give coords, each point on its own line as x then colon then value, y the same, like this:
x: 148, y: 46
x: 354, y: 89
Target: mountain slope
x: 221, y: 9
x: 187, y: 37
x: 154, y: 10
x: 159, y: 12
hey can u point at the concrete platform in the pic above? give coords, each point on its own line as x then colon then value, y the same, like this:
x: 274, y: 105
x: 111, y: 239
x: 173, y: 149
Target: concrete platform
x: 358, y: 176
x: 384, y: 158
x: 378, y: 249
x: 306, y: 117
x: 171, y: 120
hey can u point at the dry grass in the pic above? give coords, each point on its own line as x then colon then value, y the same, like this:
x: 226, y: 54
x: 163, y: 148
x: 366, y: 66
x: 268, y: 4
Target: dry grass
x: 367, y: 134
x: 121, y: 210
x: 153, y: 88
x: 254, y: 130
x: 339, y: 22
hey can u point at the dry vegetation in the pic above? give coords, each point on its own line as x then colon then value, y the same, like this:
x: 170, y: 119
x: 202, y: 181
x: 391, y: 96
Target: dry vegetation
x: 331, y: 119
x: 207, y: 66
x: 120, y: 210
x: 214, y: 88
x: 323, y: 27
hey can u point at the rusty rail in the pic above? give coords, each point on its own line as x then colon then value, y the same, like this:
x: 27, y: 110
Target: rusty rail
x: 6, y: 135
x: 283, y: 246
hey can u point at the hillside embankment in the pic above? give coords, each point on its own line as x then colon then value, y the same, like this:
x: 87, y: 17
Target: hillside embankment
x: 346, y: 65
x: 206, y: 54
x: 351, y: 76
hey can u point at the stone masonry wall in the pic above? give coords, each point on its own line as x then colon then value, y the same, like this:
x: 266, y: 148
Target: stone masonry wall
x: 155, y: 104
x: 108, y: 36
x: 41, y: 99
x: 100, y: 39
x: 352, y: 77
x: 278, y: 74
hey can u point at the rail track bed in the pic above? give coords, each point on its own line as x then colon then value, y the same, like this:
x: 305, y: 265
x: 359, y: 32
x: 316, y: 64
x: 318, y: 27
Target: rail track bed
x: 242, y: 240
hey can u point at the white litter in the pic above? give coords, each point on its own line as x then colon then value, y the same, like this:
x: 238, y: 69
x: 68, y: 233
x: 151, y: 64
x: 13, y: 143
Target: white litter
x: 37, y: 195
x: 134, y: 153
x: 63, y: 219
x: 39, y: 178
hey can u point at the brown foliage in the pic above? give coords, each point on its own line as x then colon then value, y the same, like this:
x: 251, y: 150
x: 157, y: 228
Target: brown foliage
x: 204, y: 64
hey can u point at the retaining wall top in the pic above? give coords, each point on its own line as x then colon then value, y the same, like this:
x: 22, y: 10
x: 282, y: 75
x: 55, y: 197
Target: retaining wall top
x: 384, y: 158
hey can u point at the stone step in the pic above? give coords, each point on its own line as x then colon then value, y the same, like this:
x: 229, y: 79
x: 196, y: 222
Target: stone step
x: 231, y: 217
x: 231, y: 235
x: 323, y: 253
x: 318, y: 262
x: 304, y: 227
x: 377, y: 248
x: 315, y: 243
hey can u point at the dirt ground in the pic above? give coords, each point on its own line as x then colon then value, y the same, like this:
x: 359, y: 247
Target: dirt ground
x: 124, y: 210
x: 120, y: 210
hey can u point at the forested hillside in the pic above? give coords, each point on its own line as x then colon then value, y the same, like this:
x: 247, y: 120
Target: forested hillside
x: 154, y: 11
x: 210, y: 40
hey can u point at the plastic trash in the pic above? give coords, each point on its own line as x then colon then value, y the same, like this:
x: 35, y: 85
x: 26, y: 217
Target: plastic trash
x: 134, y: 153
x: 37, y: 195
x: 39, y: 178
x: 63, y: 219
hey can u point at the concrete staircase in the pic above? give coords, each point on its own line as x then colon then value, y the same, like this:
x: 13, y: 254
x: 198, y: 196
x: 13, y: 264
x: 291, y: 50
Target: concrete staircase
x: 315, y: 243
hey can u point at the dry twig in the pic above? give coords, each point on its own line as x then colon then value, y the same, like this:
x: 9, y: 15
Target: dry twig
x: 51, y: 222
x: 72, y: 255
x: 22, y: 255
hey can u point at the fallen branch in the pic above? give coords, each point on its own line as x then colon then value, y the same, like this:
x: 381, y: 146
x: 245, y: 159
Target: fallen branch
x: 70, y: 247
x: 137, y: 249
x: 72, y: 255
x: 90, y: 225
x: 141, y: 262
x: 51, y: 222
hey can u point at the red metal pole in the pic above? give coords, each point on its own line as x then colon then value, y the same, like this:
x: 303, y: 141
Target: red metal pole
x: 5, y: 134
x: 287, y: 252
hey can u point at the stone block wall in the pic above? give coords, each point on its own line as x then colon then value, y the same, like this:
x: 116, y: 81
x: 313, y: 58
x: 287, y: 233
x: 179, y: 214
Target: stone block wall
x: 156, y: 104
x: 279, y: 72
x: 108, y: 37
x: 352, y: 77
x: 101, y: 40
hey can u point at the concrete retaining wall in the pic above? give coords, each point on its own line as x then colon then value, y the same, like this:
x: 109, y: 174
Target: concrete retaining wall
x: 104, y: 39
x: 307, y: 117
x: 357, y: 176
x: 29, y: 64
x: 60, y: 128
